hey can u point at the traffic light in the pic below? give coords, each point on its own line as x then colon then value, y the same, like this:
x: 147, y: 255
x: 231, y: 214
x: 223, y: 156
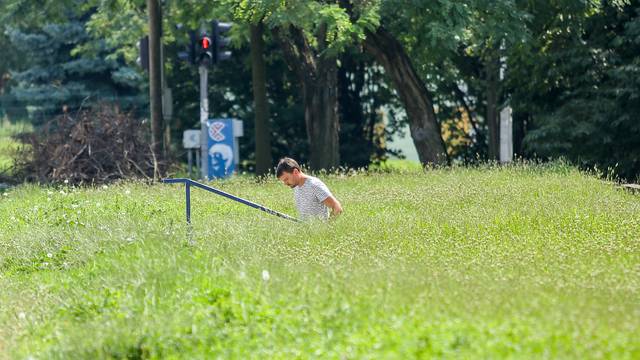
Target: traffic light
x: 208, y: 49
x: 205, y: 51
x: 220, y: 42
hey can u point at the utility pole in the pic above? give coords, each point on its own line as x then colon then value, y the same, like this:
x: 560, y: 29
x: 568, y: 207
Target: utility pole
x: 155, y: 78
x: 204, y: 116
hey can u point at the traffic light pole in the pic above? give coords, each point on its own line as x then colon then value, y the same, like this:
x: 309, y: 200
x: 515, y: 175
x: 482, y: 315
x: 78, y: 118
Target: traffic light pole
x: 204, y: 116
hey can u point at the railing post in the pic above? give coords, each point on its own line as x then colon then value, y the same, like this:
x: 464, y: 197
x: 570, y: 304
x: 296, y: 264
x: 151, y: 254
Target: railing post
x: 188, y: 196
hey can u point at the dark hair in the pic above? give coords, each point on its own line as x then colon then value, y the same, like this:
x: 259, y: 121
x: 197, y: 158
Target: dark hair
x: 286, y: 165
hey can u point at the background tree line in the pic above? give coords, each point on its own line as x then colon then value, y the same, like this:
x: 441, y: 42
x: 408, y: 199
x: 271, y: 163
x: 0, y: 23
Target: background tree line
x: 330, y: 81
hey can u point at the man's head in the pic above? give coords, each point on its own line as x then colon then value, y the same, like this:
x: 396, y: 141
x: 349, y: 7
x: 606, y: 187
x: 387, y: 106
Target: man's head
x: 288, y: 171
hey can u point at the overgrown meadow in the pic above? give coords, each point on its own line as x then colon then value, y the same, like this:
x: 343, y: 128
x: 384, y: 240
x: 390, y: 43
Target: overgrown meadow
x: 8, y: 145
x: 525, y: 261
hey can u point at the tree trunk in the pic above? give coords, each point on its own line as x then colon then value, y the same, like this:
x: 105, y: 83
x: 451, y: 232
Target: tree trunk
x: 155, y: 81
x: 318, y: 75
x: 262, y: 128
x: 321, y: 115
x: 492, y: 73
x: 425, y: 129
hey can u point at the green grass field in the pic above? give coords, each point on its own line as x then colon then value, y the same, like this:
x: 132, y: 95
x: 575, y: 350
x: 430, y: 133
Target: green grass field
x: 8, y: 145
x: 527, y: 261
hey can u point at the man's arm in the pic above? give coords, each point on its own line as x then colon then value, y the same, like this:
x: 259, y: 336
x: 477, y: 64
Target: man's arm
x: 334, y: 205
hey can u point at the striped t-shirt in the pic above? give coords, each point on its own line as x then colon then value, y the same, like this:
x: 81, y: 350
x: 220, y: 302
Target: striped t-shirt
x: 309, y: 197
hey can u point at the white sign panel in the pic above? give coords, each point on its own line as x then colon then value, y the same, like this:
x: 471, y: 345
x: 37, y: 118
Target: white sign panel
x: 191, y: 139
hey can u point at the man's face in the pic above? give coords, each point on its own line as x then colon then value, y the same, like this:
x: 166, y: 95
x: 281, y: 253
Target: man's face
x: 290, y: 179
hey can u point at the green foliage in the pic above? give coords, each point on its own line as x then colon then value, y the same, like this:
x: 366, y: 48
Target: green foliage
x: 450, y: 44
x: 525, y: 261
x: 584, y: 103
x: 570, y: 67
x: 313, y: 17
x: 32, y: 14
x: 59, y: 78
x: 230, y: 91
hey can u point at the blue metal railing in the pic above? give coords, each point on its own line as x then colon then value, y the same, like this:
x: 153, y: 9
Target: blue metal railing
x: 188, y: 183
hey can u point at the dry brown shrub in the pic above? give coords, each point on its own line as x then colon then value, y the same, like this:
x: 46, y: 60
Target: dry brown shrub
x: 94, y: 145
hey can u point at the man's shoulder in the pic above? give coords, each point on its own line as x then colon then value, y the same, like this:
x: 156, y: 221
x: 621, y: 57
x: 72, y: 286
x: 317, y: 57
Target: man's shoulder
x: 314, y: 180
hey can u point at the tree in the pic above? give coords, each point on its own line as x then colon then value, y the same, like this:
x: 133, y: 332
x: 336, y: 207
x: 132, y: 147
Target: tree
x: 155, y: 69
x: 445, y: 43
x: 582, y: 94
x: 284, y: 90
x: 425, y: 130
x: 317, y: 74
x: 59, y: 79
x: 10, y: 61
x: 311, y: 36
x: 261, y: 113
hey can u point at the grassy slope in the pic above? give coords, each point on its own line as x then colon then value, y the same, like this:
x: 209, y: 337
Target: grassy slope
x: 474, y: 263
x: 7, y: 144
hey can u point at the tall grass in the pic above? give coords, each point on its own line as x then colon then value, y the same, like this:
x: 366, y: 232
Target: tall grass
x: 526, y: 261
x: 8, y: 145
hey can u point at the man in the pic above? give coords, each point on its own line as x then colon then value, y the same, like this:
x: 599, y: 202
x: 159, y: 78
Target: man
x: 312, y: 197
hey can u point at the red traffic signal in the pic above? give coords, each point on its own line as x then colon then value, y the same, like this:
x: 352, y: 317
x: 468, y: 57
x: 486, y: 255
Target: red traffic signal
x: 205, y: 42
x: 208, y: 48
x: 204, y: 50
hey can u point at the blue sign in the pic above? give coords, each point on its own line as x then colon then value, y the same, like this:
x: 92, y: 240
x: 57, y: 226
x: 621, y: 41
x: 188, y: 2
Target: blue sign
x: 220, y: 148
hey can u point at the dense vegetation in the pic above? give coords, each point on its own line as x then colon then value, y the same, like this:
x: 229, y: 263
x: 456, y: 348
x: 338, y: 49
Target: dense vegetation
x: 569, y: 69
x: 525, y: 261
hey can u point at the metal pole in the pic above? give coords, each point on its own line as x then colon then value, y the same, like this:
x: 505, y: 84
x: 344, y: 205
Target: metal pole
x: 198, y: 163
x: 188, y: 182
x: 188, y: 196
x: 204, y: 115
x: 190, y: 160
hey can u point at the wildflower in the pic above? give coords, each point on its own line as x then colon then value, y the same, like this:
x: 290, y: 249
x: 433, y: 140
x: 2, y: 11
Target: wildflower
x: 49, y: 255
x: 22, y: 315
x: 66, y: 181
x: 265, y: 275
